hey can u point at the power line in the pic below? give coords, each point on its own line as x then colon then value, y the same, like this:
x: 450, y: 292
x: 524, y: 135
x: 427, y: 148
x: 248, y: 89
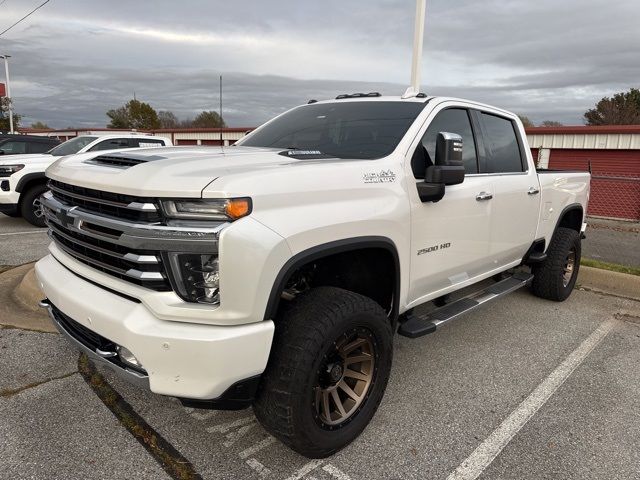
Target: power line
x: 2, y: 2
x: 25, y: 17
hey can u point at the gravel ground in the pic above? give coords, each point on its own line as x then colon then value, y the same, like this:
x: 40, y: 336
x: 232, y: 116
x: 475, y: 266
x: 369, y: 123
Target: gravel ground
x: 448, y: 394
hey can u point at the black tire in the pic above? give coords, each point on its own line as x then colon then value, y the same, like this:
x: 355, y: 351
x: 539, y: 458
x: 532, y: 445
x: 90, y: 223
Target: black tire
x: 551, y: 278
x: 308, y: 330
x: 30, y: 205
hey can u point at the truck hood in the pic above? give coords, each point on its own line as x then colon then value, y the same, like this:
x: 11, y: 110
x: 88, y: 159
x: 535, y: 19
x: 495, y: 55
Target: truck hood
x: 27, y: 158
x: 163, y: 172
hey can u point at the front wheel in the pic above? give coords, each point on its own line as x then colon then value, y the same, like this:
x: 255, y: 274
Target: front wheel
x: 328, y: 369
x: 31, y: 206
x: 555, y: 278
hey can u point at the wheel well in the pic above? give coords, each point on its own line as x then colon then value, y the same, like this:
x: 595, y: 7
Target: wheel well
x: 370, y: 271
x: 572, y: 218
x: 28, y: 184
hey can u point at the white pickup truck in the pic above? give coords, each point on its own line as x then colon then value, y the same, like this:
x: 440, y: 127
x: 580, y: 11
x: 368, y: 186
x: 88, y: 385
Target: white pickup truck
x: 22, y: 178
x: 275, y: 273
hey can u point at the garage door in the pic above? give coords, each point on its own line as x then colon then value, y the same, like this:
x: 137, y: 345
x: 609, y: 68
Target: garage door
x: 615, y: 182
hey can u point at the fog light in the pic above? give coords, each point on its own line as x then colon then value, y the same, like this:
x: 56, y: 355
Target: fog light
x: 196, y: 277
x: 128, y: 358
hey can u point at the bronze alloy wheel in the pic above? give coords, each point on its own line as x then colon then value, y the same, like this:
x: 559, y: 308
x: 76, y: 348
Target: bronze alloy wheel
x: 344, y: 378
x: 569, y: 267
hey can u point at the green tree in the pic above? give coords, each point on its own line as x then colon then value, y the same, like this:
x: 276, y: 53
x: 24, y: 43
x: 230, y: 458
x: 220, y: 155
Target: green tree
x: 551, y: 123
x: 40, y: 126
x: 621, y: 109
x: 167, y: 119
x: 526, y: 121
x: 4, y: 116
x: 135, y: 114
x: 208, y: 119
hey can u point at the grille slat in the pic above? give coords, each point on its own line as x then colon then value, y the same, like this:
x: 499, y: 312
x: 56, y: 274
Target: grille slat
x: 105, y: 203
x: 141, y: 267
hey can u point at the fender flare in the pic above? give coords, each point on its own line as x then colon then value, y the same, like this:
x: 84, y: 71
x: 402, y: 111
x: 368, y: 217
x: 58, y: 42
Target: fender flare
x: 29, y: 177
x: 563, y: 213
x: 320, y: 251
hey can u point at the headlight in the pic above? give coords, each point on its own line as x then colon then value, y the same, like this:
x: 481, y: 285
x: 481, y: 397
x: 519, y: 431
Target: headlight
x: 208, y: 209
x: 8, y: 170
x: 196, y: 277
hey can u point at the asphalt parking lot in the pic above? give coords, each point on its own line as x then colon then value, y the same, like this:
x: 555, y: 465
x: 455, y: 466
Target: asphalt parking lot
x: 521, y: 389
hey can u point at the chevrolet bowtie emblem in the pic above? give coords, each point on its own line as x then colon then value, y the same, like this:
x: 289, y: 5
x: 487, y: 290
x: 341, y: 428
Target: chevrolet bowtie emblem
x: 64, y: 217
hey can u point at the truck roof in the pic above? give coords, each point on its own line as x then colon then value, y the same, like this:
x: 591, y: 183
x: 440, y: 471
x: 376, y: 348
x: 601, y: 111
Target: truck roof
x: 422, y: 98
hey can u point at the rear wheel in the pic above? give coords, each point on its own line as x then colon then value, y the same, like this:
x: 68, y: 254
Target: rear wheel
x: 555, y: 278
x: 31, y: 206
x: 327, y: 372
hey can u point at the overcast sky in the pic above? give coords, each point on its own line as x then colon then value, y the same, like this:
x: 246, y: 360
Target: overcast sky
x: 547, y: 59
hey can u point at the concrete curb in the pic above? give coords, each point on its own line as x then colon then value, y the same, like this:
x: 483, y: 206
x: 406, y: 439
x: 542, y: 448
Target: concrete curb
x: 19, y: 296
x: 27, y: 293
x: 615, y: 283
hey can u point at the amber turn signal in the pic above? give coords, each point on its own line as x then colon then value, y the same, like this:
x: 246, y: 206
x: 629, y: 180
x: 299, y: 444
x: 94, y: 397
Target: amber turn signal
x: 238, y: 208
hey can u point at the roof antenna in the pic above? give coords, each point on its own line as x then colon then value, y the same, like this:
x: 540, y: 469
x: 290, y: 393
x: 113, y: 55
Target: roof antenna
x: 418, y: 40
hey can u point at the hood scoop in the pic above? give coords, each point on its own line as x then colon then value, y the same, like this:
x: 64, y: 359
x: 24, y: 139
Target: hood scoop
x: 123, y: 160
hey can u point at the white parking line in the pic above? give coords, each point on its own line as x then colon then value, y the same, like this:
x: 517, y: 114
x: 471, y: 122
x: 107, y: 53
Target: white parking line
x: 307, y: 468
x: 257, y: 447
x: 488, y: 450
x: 22, y: 233
x: 336, y: 472
x: 258, y: 467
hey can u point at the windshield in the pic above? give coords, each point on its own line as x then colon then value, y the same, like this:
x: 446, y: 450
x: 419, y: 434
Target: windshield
x: 360, y: 130
x: 71, y: 146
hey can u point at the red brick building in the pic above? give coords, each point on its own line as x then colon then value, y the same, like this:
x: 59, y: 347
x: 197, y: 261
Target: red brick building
x: 610, y: 153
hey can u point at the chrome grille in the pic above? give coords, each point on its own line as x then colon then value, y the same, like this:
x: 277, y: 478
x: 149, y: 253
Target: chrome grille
x: 106, y: 203
x: 97, y: 245
x: 137, y: 266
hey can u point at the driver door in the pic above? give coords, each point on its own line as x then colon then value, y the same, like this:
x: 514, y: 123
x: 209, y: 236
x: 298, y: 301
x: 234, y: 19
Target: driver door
x: 450, y: 239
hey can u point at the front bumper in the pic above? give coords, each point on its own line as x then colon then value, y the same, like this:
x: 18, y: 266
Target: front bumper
x: 193, y: 361
x: 9, y: 208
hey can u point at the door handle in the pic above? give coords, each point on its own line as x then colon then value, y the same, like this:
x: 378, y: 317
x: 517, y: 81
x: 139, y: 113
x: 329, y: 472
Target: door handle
x: 533, y: 191
x: 484, y: 196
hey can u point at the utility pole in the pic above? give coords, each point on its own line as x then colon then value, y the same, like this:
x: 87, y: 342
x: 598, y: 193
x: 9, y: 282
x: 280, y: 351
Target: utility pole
x: 221, y: 141
x: 418, y: 40
x: 6, y: 72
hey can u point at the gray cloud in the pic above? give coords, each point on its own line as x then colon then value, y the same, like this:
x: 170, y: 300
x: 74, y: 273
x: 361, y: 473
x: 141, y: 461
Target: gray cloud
x: 74, y: 60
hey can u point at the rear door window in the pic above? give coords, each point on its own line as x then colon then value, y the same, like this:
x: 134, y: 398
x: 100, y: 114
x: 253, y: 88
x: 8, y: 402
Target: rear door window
x: 111, y: 144
x: 146, y: 142
x: 501, y: 145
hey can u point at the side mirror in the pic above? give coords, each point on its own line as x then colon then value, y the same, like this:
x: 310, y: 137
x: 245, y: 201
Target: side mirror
x: 448, y: 168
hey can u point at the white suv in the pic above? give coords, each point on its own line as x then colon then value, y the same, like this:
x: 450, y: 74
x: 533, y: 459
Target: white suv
x: 22, y: 178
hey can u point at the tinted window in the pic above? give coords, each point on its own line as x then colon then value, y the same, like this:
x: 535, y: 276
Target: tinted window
x: 13, y: 147
x: 362, y: 130
x: 503, y: 152
x: 145, y: 142
x: 72, y: 146
x: 453, y: 120
x: 37, y: 147
x: 111, y: 144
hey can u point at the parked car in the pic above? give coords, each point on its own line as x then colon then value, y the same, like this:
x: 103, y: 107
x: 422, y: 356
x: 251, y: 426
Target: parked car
x: 21, y: 144
x: 275, y: 273
x: 22, y: 177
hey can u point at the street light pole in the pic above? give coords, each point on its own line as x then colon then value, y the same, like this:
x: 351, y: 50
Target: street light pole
x: 6, y: 72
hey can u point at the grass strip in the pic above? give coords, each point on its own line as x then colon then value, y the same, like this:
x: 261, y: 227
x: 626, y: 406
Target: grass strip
x: 613, y: 267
